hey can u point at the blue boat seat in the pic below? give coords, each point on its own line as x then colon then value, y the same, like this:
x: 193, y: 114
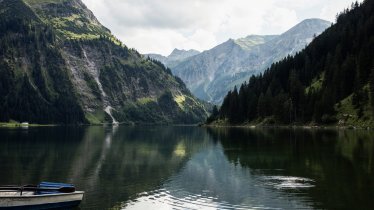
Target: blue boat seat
x: 52, y: 185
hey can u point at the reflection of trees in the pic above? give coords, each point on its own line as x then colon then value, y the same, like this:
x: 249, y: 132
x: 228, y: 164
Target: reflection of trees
x: 341, y: 162
x: 269, y: 148
x: 358, y: 148
x: 29, y: 156
x: 110, y: 165
x: 134, y: 164
x: 116, y: 166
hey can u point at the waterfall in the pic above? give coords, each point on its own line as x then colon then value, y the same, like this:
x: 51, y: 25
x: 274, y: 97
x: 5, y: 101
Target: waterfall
x: 108, y: 110
x: 95, y: 73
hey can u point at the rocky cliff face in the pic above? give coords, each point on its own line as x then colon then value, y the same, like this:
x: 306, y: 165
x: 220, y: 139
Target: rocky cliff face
x: 80, y: 73
x: 175, y: 58
x: 211, y: 74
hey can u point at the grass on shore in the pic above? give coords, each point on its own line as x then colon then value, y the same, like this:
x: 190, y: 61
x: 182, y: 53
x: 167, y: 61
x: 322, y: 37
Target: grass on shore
x: 14, y: 124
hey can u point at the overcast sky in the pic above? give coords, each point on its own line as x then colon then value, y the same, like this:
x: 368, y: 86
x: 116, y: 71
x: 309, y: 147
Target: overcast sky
x: 159, y: 26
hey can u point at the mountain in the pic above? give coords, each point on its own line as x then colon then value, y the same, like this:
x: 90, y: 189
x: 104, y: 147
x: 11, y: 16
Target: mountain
x: 248, y: 43
x: 211, y: 74
x: 175, y: 58
x: 330, y: 82
x: 58, y: 64
x: 158, y: 57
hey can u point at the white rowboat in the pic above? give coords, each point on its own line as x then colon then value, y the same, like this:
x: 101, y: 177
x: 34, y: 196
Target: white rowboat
x: 39, y: 198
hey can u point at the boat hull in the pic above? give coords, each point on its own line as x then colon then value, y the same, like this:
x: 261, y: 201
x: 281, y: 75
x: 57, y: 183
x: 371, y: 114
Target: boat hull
x: 53, y: 201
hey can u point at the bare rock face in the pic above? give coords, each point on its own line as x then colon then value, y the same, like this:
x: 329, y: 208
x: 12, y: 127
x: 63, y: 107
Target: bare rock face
x: 211, y: 74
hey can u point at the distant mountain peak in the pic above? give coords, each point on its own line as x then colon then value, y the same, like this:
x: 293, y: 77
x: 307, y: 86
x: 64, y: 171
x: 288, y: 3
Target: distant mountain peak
x: 315, y: 20
x: 309, y: 26
x: 211, y: 74
x: 176, y: 57
x: 178, y: 52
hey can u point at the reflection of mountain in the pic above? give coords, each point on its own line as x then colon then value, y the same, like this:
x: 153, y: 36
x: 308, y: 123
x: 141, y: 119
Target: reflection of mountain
x: 188, y: 167
x: 110, y: 164
x: 341, y: 163
x: 209, y: 180
x: 29, y: 156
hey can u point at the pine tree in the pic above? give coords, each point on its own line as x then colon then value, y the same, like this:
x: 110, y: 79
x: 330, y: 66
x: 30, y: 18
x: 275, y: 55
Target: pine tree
x: 242, y: 104
x: 234, y: 115
x: 371, y: 86
x: 341, y: 56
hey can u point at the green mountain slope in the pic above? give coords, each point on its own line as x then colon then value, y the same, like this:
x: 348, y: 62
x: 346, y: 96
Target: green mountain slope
x: 330, y: 82
x: 31, y: 88
x: 58, y: 64
x: 70, y: 18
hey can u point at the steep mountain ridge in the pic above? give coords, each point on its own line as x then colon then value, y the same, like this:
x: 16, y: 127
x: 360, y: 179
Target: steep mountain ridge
x: 330, y: 82
x: 176, y: 57
x: 16, y: 10
x: 70, y: 18
x: 200, y: 71
x: 297, y: 38
x: 60, y: 65
x: 182, y: 54
x: 33, y: 89
x: 211, y: 74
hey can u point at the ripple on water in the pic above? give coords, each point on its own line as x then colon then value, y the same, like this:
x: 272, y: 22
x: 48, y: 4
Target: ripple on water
x: 179, y: 198
x: 287, y: 182
x: 164, y: 199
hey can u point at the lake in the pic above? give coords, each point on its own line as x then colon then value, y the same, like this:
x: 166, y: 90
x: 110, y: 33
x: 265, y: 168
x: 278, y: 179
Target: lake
x: 196, y: 168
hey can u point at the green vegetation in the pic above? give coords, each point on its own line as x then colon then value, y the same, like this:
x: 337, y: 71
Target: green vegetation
x: 96, y: 118
x: 316, y: 84
x: 180, y: 99
x: 70, y: 19
x: 38, y: 92
x: 350, y: 114
x: 15, y: 124
x: 33, y: 2
x: 59, y: 65
x: 146, y: 100
x: 330, y: 82
x: 167, y: 109
x: 249, y: 42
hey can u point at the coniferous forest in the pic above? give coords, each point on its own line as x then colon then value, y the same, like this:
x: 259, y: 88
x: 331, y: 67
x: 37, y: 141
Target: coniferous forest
x: 330, y: 82
x: 88, y: 122
x: 23, y: 37
x: 59, y: 65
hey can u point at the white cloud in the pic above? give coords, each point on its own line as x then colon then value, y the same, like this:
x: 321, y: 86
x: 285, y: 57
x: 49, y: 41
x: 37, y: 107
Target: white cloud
x: 161, y: 25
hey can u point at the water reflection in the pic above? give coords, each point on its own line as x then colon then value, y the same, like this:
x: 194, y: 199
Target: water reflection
x: 338, y: 165
x: 209, y: 180
x: 196, y: 168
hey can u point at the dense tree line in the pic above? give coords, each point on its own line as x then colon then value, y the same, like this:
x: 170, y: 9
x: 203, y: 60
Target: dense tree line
x: 34, y: 82
x: 49, y: 72
x: 341, y: 58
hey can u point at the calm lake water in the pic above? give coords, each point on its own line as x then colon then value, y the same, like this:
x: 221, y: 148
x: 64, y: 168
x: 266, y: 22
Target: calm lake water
x: 196, y: 168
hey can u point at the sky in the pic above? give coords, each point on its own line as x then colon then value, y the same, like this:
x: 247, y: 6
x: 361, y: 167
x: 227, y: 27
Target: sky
x: 159, y: 26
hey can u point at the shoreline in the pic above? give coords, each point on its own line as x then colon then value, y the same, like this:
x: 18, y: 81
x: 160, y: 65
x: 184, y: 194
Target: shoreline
x: 247, y: 126
x: 22, y: 125
x: 324, y: 127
